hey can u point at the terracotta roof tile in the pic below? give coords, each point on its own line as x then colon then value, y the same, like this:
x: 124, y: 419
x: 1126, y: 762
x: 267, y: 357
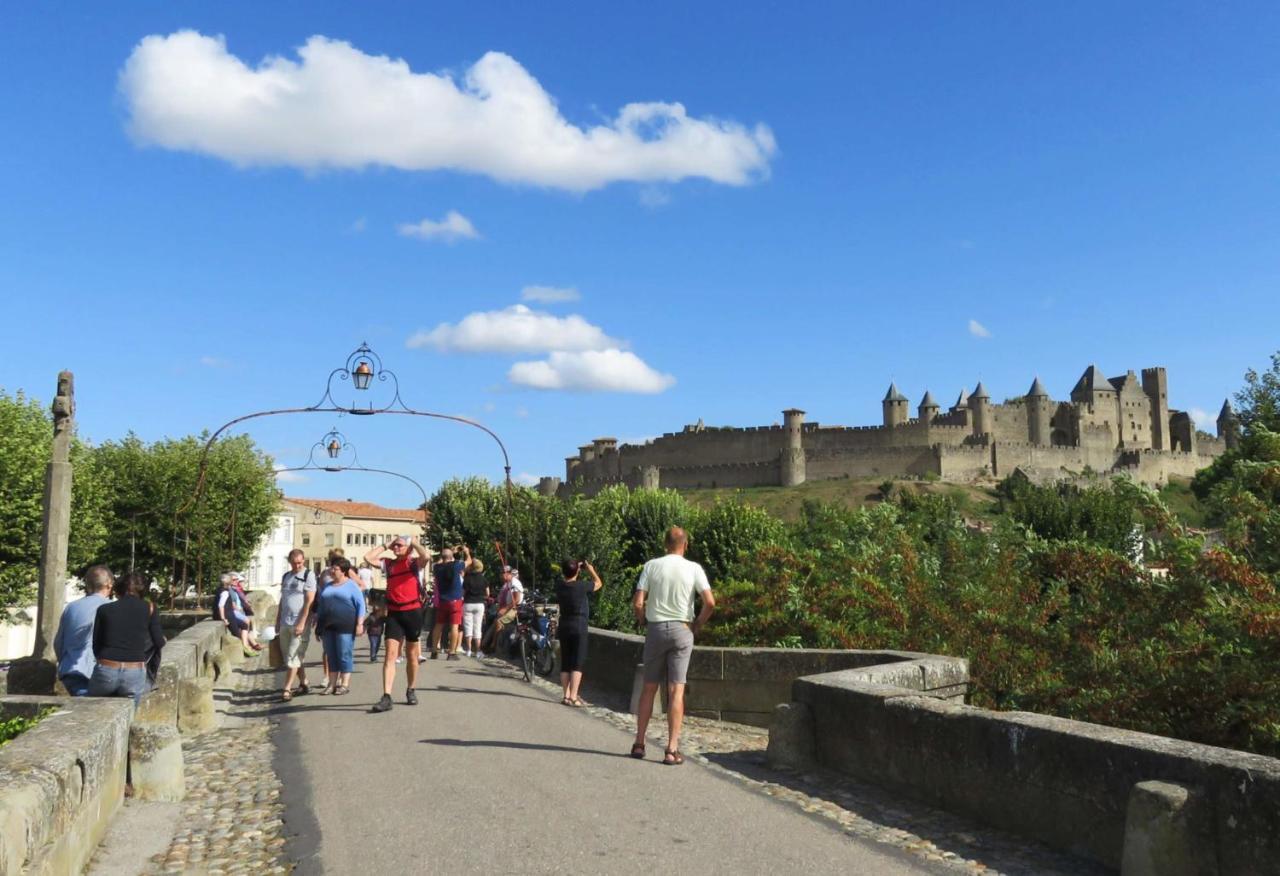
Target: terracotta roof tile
x: 361, y: 509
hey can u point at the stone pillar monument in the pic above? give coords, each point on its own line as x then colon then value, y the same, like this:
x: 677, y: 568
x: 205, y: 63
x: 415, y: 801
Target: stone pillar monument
x: 37, y: 673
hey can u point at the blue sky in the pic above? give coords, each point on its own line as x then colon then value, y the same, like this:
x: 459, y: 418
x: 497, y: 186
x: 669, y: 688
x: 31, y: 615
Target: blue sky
x: 1093, y: 183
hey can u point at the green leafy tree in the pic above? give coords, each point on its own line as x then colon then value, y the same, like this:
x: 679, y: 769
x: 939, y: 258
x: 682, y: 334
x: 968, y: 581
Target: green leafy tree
x: 26, y: 442
x: 1258, y: 402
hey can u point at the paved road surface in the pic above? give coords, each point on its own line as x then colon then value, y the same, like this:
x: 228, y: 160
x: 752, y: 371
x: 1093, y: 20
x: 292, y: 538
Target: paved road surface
x: 489, y: 774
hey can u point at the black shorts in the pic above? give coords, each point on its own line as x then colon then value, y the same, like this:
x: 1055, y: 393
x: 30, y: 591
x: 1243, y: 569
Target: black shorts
x: 404, y: 625
x: 573, y: 650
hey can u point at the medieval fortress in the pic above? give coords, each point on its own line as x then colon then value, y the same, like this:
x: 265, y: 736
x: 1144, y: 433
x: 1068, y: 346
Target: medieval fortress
x: 1109, y: 426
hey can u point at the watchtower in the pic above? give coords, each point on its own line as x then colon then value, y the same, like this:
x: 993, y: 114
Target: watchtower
x: 895, y: 407
x: 792, y: 455
x: 980, y: 409
x: 1155, y: 383
x: 1039, y: 413
x: 1229, y: 425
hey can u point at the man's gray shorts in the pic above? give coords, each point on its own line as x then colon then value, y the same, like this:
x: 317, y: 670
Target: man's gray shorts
x: 668, y: 645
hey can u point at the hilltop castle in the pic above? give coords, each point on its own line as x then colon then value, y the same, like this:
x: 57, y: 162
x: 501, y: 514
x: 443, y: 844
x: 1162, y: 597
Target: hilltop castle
x: 1117, y: 425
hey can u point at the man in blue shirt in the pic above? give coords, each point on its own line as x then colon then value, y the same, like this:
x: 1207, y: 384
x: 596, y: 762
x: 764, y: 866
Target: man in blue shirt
x: 448, y: 581
x: 73, y: 643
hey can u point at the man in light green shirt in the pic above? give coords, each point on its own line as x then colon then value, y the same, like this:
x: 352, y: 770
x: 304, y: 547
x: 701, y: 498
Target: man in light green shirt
x: 663, y: 605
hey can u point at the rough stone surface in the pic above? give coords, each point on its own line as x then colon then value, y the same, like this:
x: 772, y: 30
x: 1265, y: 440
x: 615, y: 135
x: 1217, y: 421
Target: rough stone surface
x: 155, y: 761
x: 791, y: 742
x: 195, y: 706
x: 1166, y: 833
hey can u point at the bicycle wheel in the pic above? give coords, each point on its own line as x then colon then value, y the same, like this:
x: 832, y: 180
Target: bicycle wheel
x: 544, y: 660
x: 526, y: 657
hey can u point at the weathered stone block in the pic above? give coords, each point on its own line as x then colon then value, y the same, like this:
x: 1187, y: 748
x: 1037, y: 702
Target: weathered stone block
x: 1167, y: 832
x: 155, y: 762
x: 196, y: 712
x: 158, y: 706
x: 739, y: 695
x: 792, y: 743
x: 232, y: 650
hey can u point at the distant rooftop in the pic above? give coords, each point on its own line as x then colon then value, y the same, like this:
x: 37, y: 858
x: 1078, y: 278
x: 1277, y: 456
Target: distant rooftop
x: 349, y: 508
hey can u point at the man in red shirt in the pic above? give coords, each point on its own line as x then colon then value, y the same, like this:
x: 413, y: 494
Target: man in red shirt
x: 404, y: 613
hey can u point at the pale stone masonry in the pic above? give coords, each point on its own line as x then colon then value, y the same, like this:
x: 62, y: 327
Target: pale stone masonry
x: 1107, y: 425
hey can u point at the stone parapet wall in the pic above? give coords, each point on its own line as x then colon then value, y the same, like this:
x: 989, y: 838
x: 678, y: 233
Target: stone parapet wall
x: 63, y: 781
x: 745, y: 684
x: 1081, y: 787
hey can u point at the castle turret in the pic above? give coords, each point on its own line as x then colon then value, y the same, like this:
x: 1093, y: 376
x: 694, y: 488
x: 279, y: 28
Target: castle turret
x: 1156, y: 386
x: 548, y: 487
x: 792, y: 454
x: 895, y: 406
x: 1229, y: 425
x: 980, y: 408
x: 928, y: 408
x: 1039, y: 413
x: 962, y: 401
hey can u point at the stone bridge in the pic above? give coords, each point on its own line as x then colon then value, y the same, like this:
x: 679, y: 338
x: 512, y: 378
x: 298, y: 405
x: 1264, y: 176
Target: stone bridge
x: 800, y: 761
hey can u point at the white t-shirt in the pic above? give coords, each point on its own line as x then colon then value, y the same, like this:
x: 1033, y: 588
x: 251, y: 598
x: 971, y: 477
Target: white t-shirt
x: 366, y: 578
x: 507, y: 595
x: 671, y: 582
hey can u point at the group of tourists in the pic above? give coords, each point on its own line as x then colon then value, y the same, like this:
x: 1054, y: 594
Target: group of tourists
x: 109, y: 641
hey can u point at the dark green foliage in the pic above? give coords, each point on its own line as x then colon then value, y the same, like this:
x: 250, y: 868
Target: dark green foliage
x: 1258, y: 403
x: 11, y: 728
x: 1104, y: 515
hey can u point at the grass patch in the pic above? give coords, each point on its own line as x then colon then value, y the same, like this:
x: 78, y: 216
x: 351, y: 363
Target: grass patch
x: 1177, y: 496
x: 785, y: 502
x: 11, y: 728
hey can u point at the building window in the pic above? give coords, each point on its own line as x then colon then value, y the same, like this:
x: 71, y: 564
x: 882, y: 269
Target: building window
x: 328, y: 539
x: 348, y: 538
x: 306, y: 539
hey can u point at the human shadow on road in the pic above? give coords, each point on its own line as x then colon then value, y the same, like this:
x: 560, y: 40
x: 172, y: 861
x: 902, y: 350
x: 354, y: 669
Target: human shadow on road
x: 519, y: 746
x: 444, y: 688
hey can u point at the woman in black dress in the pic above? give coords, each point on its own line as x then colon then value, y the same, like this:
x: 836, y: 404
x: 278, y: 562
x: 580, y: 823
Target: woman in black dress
x: 574, y: 597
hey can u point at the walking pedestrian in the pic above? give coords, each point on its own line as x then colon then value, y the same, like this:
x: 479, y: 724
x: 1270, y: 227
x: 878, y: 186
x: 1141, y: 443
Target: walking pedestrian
x: 448, y: 574
x: 365, y: 574
x: 126, y: 636
x: 73, y: 643
x: 475, y: 591
x: 404, y: 613
x: 342, y: 618
x: 574, y: 598
x: 293, y: 618
x: 373, y: 625
x: 663, y: 605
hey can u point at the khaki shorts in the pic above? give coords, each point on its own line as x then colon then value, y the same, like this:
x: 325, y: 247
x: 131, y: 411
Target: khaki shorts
x: 293, y: 646
x: 668, y: 645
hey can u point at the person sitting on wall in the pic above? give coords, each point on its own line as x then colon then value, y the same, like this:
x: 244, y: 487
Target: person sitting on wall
x: 126, y: 637
x: 73, y: 643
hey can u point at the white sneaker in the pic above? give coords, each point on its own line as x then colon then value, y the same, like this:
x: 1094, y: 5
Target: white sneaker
x: 466, y: 653
x: 399, y: 660
x: 422, y: 658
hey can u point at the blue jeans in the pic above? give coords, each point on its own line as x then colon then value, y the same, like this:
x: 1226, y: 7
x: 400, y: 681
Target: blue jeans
x: 76, y: 684
x: 118, y: 683
x: 338, y: 647
x: 375, y: 642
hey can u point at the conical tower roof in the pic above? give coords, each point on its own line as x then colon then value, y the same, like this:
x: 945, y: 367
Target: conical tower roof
x: 980, y: 391
x: 1037, y: 389
x: 1227, y: 412
x: 927, y: 401
x: 963, y: 398
x: 893, y: 394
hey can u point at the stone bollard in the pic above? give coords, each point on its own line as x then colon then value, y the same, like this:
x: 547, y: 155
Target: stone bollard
x: 232, y: 650
x: 155, y: 762
x: 158, y: 706
x: 196, y: 713
x: 792, y: 744
x: 216, y: 665
x: 1166, y: 832
x: 637, y: 687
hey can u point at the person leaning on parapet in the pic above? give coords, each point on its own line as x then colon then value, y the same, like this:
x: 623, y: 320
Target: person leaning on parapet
x: 73, y: 643
x: 293, y: 617
x: 663, y: 605
x: 449, y: 592
x: 126, y: 636
x: 404, y: 613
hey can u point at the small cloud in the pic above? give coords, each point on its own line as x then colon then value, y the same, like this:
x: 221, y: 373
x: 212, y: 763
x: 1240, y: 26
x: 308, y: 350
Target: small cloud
x: 289, y: 477
x: 549, y: 294
x: 214, y: 362
x: 654, y: 197
x: 591, y: 371
x: 516, y: 329
x: 488, y: 407
x: 358, y: 226
x: 525, y: 479
x: 978, y: 330
x: 452, y: 228
x: 1205, y: 421
x: 522, y: 412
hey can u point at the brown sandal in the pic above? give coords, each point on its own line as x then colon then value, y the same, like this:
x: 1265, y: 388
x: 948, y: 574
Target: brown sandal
x: 672, y: 758
x: 637, y: 751
x: 286, y: 696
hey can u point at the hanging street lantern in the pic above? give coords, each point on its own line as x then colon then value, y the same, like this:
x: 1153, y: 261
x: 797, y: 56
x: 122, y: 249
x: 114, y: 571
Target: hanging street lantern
x: 362, y: 374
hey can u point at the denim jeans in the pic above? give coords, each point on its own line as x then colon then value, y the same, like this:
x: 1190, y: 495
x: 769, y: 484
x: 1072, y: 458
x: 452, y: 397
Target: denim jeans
x: 375, y: 642
x: 108, y: 682
x: 338, y: 648
x: 76, y: 684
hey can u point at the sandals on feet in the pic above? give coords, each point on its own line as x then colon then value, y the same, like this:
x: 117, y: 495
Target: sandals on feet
x: 286, y: 695
x: 672, y: 758
x: 577, y: 702
x: 304, y: 689
x: 340, y: 690
x: 327, y: 690
x: 637, y: 751
x: 565, y: 701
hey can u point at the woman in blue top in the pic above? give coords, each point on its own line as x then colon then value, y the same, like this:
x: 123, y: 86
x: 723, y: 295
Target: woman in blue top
x: 341, y: 619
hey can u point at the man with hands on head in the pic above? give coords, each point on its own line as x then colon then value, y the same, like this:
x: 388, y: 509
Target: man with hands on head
x: 403, y: 627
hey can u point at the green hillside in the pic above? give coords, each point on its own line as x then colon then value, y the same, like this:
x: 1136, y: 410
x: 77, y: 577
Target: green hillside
x: 785, y: 502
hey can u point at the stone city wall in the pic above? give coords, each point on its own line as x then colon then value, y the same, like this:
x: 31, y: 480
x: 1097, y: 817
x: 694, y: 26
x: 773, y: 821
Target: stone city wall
x: 964, y: 463
x: 749, y: 474
x: 63, y: 782
x: 872, y: 463
x: 746, y: 684
x: 1151, y: 804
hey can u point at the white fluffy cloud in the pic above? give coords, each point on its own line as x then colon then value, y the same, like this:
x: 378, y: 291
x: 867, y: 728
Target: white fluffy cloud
x: 1205, y: 421
x: 289, y: 477
x: 337, y: 107
x: 591, y: 371
x: 549, y: 294
x: 452, y: 228
x: 515, y: 329
x: 978, y: 330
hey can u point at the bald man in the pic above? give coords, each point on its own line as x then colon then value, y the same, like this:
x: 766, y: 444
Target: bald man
x: 663, y: 605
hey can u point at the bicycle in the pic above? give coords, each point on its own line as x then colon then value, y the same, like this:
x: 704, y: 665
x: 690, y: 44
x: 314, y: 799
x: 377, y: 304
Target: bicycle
x: 536, y: 632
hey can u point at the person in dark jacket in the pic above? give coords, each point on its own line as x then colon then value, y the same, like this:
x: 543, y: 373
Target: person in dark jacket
x: 126, y: 636
x: 574, y: 596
